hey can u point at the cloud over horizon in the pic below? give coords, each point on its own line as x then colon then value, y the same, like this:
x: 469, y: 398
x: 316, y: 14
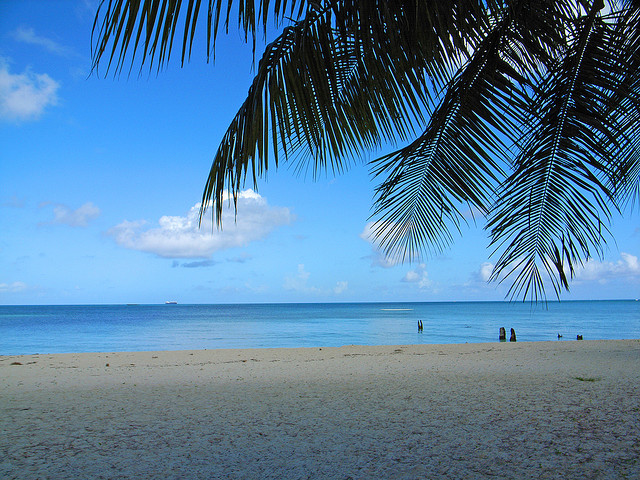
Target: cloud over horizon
x: 13, y: 287
x: 298, y: 282
x: 626, y: 269
x: 377, y: 256
x: 418, y: 275
x: 593, y: 270
x: 181, y: 237
x: 80, y: 217
x: 486, y: 269
x: 25, y: 96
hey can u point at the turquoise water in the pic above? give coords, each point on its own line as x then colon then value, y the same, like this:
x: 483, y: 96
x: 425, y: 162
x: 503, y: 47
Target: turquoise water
x: 110, y: 328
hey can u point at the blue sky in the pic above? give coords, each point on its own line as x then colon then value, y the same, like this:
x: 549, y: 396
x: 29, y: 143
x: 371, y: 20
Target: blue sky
x: 100, y: 179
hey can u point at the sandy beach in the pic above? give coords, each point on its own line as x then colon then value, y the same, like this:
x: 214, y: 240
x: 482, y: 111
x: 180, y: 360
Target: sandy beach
x: 563, y: 409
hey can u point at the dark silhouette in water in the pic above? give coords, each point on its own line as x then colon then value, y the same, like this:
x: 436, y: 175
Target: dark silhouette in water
x: 503, y: 335
x: 513, y: 336
x: 559, y: 336
x: 579, y: 337
x: 420, y: 325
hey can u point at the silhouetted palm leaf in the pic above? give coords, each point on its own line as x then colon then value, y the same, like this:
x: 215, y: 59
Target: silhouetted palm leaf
x: 554, y: 208
x: 528, y: 112
x: 459, y: 157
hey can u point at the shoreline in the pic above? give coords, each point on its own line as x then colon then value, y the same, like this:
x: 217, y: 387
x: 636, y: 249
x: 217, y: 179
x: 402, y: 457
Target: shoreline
x: 5, y: 356
x: 554, y: 409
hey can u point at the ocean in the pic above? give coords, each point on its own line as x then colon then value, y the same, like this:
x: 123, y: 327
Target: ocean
x: 112, y: 328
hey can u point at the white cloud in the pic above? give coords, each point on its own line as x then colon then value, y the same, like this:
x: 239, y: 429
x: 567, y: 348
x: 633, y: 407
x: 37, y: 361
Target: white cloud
x: 631, y: 263
x: 418, y: 275
x: 79, y: 217
x: 627, y: 267
x: 377, y: 256
x: 181, y: 237
x: 298, y: 281
x: 14, y: 287
x: 28, y: 35
x: 25, y: 96
x: 479, y: 280
x: 486, y: 269
x: 369, y: 234
x: 340, y: 287
x: 378, y: 259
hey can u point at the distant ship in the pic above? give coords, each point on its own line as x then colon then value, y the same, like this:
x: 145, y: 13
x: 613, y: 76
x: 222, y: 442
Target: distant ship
x: 170, y: 302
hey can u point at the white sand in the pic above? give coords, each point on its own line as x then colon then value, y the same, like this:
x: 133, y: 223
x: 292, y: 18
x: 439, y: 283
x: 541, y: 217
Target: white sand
x: 525, y: 410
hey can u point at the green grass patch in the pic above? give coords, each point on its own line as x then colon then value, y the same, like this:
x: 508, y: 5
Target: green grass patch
x: 587, y: 379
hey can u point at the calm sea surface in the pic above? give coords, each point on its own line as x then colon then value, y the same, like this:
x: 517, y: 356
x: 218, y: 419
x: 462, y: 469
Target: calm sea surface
x: 110, y: 328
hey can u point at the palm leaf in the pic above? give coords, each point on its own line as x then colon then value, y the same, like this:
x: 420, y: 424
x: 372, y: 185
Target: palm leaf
x: 526, y: 111
x: 623, y: 107
x: 325, y: 90
x: 554, y: 208
x: 458, y: 159
x: 155, y: 23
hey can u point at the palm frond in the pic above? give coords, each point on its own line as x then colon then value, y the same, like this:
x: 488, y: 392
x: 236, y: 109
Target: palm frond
x: 459, y: 158
x: 527, y: 111
x: 623, y: 106
x: 156, y: 22
x: 328, y: 87
x: 554, y: 208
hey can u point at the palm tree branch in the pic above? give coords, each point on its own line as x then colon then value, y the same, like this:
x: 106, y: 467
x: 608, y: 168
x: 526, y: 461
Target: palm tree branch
x: 457, y: 158
x: 329, y: 94
x: 155, y: 22
x: 544, y: 213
